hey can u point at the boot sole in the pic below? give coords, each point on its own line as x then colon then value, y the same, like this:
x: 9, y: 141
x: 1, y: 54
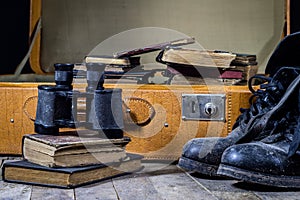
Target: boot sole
x: 199, y: 167
x: 259, y: 178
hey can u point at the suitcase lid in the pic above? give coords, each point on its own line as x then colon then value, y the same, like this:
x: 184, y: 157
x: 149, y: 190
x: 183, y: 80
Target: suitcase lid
x: 81, y: 25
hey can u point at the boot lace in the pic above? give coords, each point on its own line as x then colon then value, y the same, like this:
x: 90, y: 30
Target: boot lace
x: 284, y: 124
x: 274, y: 114
x: 261, y: 101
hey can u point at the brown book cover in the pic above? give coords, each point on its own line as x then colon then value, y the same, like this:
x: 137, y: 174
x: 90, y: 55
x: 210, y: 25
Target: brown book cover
x: 68, y: 149
x: 68, y: 177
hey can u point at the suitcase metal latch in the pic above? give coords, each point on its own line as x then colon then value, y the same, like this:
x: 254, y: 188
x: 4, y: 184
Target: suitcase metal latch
x: 209, y: 107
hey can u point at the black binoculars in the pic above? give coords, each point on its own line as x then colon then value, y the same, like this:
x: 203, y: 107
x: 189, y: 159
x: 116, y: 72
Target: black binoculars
x: 58, y: 104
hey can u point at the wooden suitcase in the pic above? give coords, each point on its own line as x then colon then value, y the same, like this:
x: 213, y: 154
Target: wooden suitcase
x: 161, y: 138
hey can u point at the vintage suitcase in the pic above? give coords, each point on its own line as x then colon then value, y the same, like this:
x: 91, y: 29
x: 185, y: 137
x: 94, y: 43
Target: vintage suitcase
x: 172, y: 122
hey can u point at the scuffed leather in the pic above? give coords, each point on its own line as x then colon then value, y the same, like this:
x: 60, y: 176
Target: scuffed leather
x: 209, y: 150
x: 262, y: 157
x: 272, y: 154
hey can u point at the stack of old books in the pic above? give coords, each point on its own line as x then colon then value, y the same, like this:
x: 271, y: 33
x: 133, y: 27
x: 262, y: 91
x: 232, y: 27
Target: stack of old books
x: 70, y: 160
x: 126, y: 64
x: 222, y: 66
x: 114, y: 67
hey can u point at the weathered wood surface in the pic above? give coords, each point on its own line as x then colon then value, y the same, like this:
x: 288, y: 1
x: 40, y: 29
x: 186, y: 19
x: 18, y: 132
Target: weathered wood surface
x: 14, y: 191
x: 51, y: 193
x: 103, y: 190
x: 159, y: 181
x: 232, y: 189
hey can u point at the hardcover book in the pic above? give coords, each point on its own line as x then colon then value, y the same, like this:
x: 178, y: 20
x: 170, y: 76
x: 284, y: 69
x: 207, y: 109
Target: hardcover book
x: 68, y: 177
x: 195, y: 57
x: 68, y: 149
x: 106, y: 60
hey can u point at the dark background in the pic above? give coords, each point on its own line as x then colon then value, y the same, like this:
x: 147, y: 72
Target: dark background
x: 295, y: 15
x: 14, y: 19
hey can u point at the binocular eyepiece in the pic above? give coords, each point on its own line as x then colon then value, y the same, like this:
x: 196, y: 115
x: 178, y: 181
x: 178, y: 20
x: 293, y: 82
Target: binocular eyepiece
x: 57, y: 104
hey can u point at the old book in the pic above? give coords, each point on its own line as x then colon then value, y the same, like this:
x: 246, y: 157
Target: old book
x: 111, y: 60
x: 193, y: 57
x: 68, y: 149
x: 243, y: 59
x: 68, y: 177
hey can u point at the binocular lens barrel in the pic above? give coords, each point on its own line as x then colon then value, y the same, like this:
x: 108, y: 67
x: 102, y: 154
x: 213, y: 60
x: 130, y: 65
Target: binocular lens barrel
x: 94, y: 72
x: 45, y: 113
x: 54, y: 110
x: 64, y: 75
x: 108, y: 109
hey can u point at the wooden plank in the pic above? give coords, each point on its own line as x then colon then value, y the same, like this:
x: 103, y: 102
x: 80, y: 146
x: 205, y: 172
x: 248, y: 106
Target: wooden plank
x: 46, y: 193
x: 178, y: 185
x: 14, y: 191
x: 166, y: 182
x: 269, y: 193
x: 103, y: 190
x: 135, y: 187
x: 159, y: 168
x: 224, y: 189
x: 278, y: 195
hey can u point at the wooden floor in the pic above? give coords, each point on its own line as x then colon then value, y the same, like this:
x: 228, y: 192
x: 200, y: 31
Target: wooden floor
x: 167, y: 181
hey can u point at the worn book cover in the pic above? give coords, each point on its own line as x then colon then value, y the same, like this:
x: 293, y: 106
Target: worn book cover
x: 68, y: 177
x: 195, y: 57
x: 70, y: 149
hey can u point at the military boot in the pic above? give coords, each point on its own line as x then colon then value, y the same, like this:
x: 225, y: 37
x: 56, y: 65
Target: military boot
x: 274, y: 158
x: 203, y: 155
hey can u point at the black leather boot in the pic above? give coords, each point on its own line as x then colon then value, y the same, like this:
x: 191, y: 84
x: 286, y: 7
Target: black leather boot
x: 203, y: 155
x: 275, y: 159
